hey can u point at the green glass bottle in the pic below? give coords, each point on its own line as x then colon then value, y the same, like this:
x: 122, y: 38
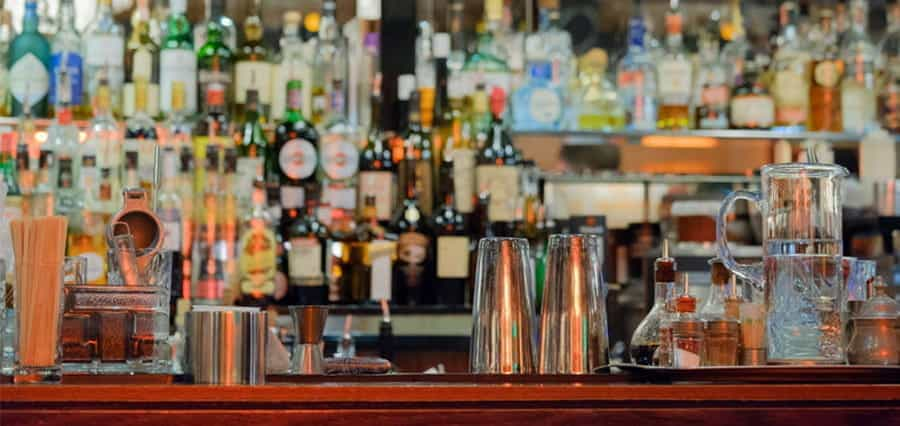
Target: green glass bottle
x: 253, y: 150
x: 253, y: 71
x: 177, y: 62
x: 214, y: 61
x: 29, y: 66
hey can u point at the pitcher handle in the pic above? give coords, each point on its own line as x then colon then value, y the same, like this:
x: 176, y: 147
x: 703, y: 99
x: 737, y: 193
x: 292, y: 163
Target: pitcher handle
x: 753, y: 271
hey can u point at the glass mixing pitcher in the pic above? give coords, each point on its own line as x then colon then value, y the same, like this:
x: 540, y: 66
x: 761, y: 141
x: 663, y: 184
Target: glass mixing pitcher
x: 801, y: 269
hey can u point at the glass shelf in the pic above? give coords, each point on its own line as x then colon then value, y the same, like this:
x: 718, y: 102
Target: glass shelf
x: 635, y: 136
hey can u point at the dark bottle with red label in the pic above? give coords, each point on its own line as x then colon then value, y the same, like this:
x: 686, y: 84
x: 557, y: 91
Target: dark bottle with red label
x: 412, y: 267
x: 292, y: 171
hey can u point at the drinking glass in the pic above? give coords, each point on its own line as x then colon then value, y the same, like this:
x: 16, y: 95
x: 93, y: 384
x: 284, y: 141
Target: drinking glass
x: 502, y: 310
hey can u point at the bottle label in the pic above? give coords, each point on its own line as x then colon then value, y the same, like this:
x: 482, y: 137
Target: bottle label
x: 214, y: 84
x: 424, y: 187
x: 675, y: 81
x: 379, y: 184
x: 292, y: 197
x: 89, y: 176
x: 502, y: 182
x: 29, y: 80
x: 305, y: 262
x: 142, y: 65
x: 253, y: 75
x: 151, y: 100
x: 144, y: 158
x: 464, y: 179
x: 178, y: 65
x: 752, y: 111
x: 340, y: 196
x: 73, y: 64
x: 452, y: 257
x: 104, y: 50
x: 381, y: 271
x: 248, y: 170
x: 686, y: 359
x: 297, y: 159
x: 715, y: 96
x: 826, y: 74
x: 171, y: 221
x: 545, y: 106
x: 857, y: 106
x: 257, y: 260
x: 412, y: 251
x: 340, y: 158
x: 791, y: 97
x: 64, y: 179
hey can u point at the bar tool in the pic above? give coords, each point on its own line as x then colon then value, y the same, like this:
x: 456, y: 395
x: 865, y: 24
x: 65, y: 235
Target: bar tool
x: 227, y: 345
x: 143, y: 225
x: 309, y: 327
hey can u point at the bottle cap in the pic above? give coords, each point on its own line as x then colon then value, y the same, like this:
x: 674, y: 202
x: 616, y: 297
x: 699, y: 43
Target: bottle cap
x: 440, y: 45
x: 311, y: 22
x: 498, y: 101
x: 686, y: 303
x: 291, y: 18
x: 406, y: 83
x: 665, y: 266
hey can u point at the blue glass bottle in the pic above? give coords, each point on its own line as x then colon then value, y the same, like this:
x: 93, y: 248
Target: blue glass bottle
x: 636, y: 79
x: 538, y: 104
x: 29, y: 66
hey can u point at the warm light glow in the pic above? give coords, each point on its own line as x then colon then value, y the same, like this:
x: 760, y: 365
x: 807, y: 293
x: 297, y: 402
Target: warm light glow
x: 41, y: 136
x: 658, y: 141
x: 82, y: 136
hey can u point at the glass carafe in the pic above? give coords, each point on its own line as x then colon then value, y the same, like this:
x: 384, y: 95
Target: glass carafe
x: 801, y: 269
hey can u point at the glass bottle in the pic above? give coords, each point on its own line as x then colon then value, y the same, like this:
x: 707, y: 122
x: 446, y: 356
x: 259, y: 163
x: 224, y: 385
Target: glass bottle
x: 487, y: 64
x: 28, y: 61
x: 329, y: 67
x: 215, y: 13
x: 751, y: 105
x: 339, y: 158
x: 47, y: 25
x: 538, y: 103
x: 177, y: 61
x: 497, y: 173
x: 290, y: 64
x: 169, y: 205
x: 555, y: 43
x: 458, y: 43
x: 62, y: 141
x: 103, y: 48
x: 253, y: 71
x: 714, y: 306
x: 790, y: 85
x: 208, y: 271
x: 306, y: 247
x: 214, y: 77
x: 711, y: 87
x: 377, y: 170
x: 597, y: 106
x: 412, y: 269
x: 141, y: 140
x: 452, y: 244
x: 141, y: 68
x: 889, y: 92
x: 6, y: 34
x: 636, y: 79
x: 688, y: 337
x: 674, y: 76
x: 646, y: 340
x: 825, y: 76
x: 66, y: 47
x: 362, y: 266
x: 253, y: 150
x: 296, y: 151
x: 858, y: 86
x: 417, y: 155
x: 735, y: 52
x: 460, y: 147
x: 257, y: 251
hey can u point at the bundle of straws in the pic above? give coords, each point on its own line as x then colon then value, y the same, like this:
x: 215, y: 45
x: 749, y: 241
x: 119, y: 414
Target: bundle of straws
x: 39, y: 247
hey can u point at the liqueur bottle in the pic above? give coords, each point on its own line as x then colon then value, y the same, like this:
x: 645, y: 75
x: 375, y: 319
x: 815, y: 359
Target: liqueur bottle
x: 253, y: 150
x: 497, y: 173
x: 28, y: 61
x: 306, y: 245
x: 711, y: 88
x: 411, y: 270
x: 858, y: 103
x: 141, y: 69
x: 751, y: 105
x: 257, y: 251
x: 826, y: 70
x: 178, y: 62
x: 252, y: 71
x: 674, y: 76
x: 292, y: 171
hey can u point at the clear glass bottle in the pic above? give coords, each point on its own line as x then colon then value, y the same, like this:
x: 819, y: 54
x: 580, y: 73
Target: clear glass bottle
x: 253, y: 150
x: 103, y: 49
x: 790, y: 85
x: 28, y: 61
x: 339, y: 154
x: 714, y: 305
x: 711, y: 85
x: 688, y: 336
x: 597, y: 106
x: 858, y: 103
x: 826, y: 70
x: 538, y: 104
x: 141, y: 140
x: 329, y: 68
x: 735, y: 52
x: 889, y: 91
x: 487, y: 64
x: 169, y: 204
x: 554, y: 43
x: 208, y: 271
x: 62, y: 140
x: 253, y: 71
x: 141, y: 68
x: 66, y: 47
x: 178, y: 62
x: 636, y: 77
x: 290, y: 64
x: 674, y: 76
x: 257, y: 251
x: 646, y: 339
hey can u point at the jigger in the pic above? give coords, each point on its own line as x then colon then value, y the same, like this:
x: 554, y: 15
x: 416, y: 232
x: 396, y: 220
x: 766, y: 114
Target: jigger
x: 309, y: 326
x: 502, y: 311
x: 573, y: 315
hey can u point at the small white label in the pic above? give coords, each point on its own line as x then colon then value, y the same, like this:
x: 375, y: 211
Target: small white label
x: 292, y: 197
x: 686, y: 359
x: 29, y: 80
x: 675, y: 81
x: 104, y: 50
x: 752, y: 111
x: 545, y: 106
x: 178, y: 65
x: 464, y: 179
x: 248, y: 169
x: 452, y: 257
x: 298, y: 159
x: 381, y: 186
x: 253, y: 75
x: 305, y: 260
x: 368, y: 9
x: 502, y: 182
x: 340, y: 158
x: 381, y: 274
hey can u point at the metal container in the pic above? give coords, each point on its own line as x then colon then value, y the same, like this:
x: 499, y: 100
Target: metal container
x: 227, y: 345
x: 573, y: 314
x: 309, y: 326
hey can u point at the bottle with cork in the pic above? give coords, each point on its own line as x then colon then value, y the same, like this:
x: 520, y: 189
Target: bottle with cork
x: 688, y: 337
x: 646, y: 341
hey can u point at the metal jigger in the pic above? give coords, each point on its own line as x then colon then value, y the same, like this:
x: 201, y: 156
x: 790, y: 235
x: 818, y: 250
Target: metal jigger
x: 502, y: 311
x: 309, y: 325
x: 573, y: 315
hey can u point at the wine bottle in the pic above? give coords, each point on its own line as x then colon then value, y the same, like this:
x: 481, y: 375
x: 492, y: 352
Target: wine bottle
x: 452, y: 244
x: 377, y: 175
x: 306, y: 243
x: 497, y: 173
x: 296, y: 143
x: 413, y: 257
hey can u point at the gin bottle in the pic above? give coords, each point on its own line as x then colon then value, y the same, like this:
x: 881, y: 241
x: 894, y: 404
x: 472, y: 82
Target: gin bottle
x: 29, y: 66
x: 636, y: 78
x: 103, y: 47
x: 858, y: 86
x: 67, y: 59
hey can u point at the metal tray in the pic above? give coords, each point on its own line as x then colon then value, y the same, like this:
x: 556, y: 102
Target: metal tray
x: 765, y: 374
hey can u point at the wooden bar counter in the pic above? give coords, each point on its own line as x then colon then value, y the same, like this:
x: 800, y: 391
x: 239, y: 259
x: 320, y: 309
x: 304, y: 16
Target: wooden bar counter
x: 396, y: 400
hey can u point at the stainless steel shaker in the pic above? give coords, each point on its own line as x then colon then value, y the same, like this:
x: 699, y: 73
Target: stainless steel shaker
x: 227, y: 345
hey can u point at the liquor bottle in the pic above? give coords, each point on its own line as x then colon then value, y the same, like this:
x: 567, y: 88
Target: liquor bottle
x: 214, y: 77
x: 103, y: 47
x: 790, y: 87
x: 229, y: 220
x: 636, y: 79
x: 253, y: 151
x: 306, y: 248
x: 208, y: 272
x: 47, y: 25
x: 751, y: 105
x: 141, y: 141
x: 555, y: 43
x: 480, y: 116
x: 215, y: 13
x: 257, y: 253
x: 459, y: 145
x: 6, y: 34
x: 377, y: 170
x: 253, y: 71
x: 62, y: 141
x: 141, y: 68
x: 458, y: 40
x: 8, y: 171
x: 711, y: 86
x: 416, y: 158
x: 290, y: 64
x: 406, y: 84
x: 452, y: 244
x: 714, y: 304
x: 597, y: 105
x: 826, y: 70
x: 178, y: 62
x: 296, y: 149
x: 363, y: 265
x: 66, y: 47
x: 858, y: 86
x: 889, y: 93
x: 329, y: 68
x: 185, y: 182
x: 339, y: 158
x: 647, y: 341
x: 538, y: 104
x: 365, y: 59
x: 734, y: 53
x: 29, y: 66
x: 169, y: 208
x: 411, y: 270
x: 310, y: 43
x: 497, y: 173
x: 487, y: 64
x: 423, y: 153
x: 674, y: 76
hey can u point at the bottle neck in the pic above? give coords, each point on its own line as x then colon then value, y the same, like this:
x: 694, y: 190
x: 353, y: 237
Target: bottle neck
x: 67, y: 16
x: 293, y: 112
x: 30, y: 20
